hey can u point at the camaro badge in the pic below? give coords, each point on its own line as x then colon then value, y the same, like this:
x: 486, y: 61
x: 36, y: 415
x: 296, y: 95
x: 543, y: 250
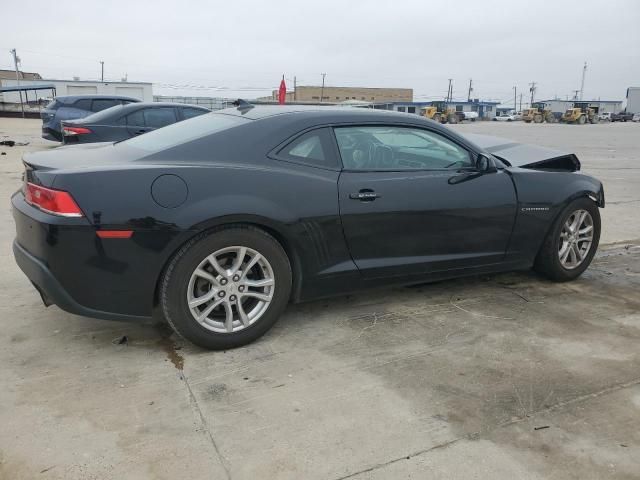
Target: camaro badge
x: 535, y: 209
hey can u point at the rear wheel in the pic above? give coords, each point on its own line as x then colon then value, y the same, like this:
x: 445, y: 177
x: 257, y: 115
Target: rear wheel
x: 452, y: 118
x: 572, y: 241
x: 226, y: 288
x: 582, y: 120
x: 437, y: 118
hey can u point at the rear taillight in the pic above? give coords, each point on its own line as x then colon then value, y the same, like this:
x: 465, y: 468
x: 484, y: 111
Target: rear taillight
x: 51, y: 201
x: 75, y: 130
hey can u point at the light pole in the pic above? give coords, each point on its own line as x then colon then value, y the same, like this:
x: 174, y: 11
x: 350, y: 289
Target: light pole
x: 16, y: 60
x: 322, y: 89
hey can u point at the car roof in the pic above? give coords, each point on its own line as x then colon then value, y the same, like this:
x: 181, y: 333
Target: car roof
x: 256, y: 112
x: 113, y: 113
x: 67, y: 98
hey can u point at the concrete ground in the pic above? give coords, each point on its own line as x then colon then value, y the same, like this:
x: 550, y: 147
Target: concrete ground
x: 501, y: 377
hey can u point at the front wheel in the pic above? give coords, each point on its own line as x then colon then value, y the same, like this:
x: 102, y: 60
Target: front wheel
x: 226, y: 288
x: 571, y: 243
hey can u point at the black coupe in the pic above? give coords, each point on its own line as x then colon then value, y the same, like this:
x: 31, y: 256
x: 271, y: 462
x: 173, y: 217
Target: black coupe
x: 219, y: 221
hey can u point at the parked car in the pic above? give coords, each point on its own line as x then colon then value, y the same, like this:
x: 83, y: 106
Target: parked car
x: 74, y: 107
x: 621, y: 117
x: 219, y: 221
x: 604, y: 117
x: 636, y: 117
x: 125, y: 121
x: 473, y: 116
x: 505, y: 117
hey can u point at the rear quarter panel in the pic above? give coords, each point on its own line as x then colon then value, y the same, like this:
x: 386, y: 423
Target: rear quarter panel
x: 298, y: 204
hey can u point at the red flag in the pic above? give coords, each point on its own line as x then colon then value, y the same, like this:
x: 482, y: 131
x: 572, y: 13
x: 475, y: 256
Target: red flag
x: 282, y: 93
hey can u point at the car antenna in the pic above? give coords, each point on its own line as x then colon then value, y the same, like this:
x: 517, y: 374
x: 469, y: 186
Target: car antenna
x: 243, y: 105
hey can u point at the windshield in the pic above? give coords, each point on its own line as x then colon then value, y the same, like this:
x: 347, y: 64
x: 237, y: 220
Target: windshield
x: 185, y: 131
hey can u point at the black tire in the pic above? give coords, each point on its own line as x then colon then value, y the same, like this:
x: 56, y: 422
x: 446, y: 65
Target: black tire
x: 175, y: 281
x: 548, y: 262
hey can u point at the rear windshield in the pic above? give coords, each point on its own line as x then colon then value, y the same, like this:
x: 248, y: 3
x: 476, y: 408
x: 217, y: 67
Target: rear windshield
x: 183, y: 132
x: 53, y: 104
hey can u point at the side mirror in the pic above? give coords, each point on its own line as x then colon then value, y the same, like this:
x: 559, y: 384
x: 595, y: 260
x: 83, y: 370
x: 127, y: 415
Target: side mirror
x: 486, y: 164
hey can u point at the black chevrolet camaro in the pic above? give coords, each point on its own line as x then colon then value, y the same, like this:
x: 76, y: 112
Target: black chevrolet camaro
x: 217, y: 222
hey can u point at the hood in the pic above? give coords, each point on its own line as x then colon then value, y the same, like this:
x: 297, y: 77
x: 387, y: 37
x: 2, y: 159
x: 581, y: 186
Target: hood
x: 525, y: 156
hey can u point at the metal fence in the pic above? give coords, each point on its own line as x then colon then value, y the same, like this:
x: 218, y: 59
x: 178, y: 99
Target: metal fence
x: 212, y: 103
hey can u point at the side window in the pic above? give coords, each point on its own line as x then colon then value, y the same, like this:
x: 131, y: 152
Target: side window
x: 192, y: 112
x: 102, y: 104
x: 394, y: 148
x: 159, y: 117
x: 136, y: 119
x: 83, y: 104
x: 312, y: 148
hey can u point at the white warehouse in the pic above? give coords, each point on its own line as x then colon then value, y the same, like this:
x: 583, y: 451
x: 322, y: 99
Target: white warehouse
x: 139, y: 90
x: 633, y: 100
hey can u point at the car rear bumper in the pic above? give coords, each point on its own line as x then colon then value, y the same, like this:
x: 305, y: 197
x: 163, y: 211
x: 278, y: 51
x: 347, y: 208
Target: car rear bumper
x: 52, y: 292
x: 74, y: 270
x: 51, y: 134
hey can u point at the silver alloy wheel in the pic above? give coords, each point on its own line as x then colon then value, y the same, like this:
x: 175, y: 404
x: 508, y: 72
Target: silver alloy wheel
x: 576, y: 238
x: 230, y: 289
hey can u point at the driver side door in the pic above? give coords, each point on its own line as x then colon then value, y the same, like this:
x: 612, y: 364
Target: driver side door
x: 413, y: 202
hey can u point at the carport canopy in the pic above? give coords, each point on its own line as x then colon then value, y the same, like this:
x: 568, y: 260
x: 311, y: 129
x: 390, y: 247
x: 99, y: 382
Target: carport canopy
x: 26, y: 88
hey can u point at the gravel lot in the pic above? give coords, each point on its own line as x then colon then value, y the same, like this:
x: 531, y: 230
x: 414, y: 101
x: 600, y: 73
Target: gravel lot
x: 502, y: 377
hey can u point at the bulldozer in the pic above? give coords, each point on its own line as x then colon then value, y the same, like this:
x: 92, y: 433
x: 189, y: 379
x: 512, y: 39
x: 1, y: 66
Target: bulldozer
x: 538, y: 114
x: 439, y: 112
x: 580, y: 115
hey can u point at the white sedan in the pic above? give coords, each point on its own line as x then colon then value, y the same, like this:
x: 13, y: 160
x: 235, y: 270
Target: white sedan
x: 505, y: 117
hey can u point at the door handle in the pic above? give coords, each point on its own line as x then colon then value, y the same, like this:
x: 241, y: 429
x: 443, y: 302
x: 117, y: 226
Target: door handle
x: 364, y: 195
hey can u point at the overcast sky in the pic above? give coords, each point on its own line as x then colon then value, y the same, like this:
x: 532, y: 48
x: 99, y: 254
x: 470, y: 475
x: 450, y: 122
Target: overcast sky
x: 242, y: 48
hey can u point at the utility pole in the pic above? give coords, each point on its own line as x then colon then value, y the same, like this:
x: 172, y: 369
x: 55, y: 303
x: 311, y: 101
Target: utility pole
x: 449, y: 92
x: 515, y: 96
x: 322, y: 89
x: 470, y: 89
x: 16, y: 60
x: 101, y: 71
x: 520, y: 102
x: 294, y: 88
x: 532, y: 89
x: 584, y: 72
x: 575, y: 94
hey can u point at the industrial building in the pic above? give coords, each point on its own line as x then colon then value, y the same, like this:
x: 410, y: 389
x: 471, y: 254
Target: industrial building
x: 312, y: 94
x: 633, y: 100
x: 8, y: 100
x: 486, y: 110
x: 601, y: 106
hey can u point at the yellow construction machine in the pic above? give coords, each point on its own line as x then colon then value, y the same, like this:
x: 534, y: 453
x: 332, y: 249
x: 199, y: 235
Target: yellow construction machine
x: 538, y: 113
x: 439, y: 112
x: 580, y: 115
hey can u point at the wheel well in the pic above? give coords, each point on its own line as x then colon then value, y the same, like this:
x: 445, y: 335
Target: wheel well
x: 587, y: 195
x: 286, y: 246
